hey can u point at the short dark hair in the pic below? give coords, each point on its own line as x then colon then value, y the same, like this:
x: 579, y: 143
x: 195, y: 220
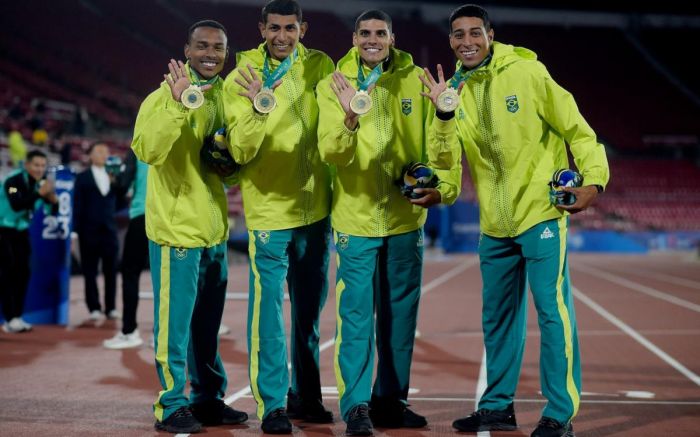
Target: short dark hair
x: 470, y: 11
x: 205, y: 23
x: 95, y: 144
x: 282, y: 7
x: 35, y: 154
x: 373, y: 14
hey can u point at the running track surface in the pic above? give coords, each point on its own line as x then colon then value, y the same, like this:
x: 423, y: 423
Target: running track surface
x: 639, y: 331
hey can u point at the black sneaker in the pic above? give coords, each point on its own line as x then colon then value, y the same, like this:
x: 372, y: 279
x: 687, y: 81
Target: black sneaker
x: 216, y: 412
x: 311, y: 411
x: 549, y: 427
x: 277, y: 422
x: 358, y: 421
x: 487, y: 420
x: 181, y: 421
x: 392, y: 413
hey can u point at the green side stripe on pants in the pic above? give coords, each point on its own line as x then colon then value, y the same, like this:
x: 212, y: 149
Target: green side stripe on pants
x: 255, y: 328
x: 566, y: 320
x: 339, y: 288
x: 164, y: 316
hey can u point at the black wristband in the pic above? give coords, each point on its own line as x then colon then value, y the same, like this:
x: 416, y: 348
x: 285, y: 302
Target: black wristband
x: 445, y: 116
x: 599, y: 188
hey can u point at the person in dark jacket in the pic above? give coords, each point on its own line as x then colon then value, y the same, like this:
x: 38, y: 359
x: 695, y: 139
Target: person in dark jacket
x: 98, y: 197
x: 18, y: 197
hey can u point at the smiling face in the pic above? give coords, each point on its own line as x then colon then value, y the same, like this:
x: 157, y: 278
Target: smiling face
x: 281, y: 34
x: 373, y: 40
x: 207, y: 50
x: 470, y: 40
x: 36, y: 167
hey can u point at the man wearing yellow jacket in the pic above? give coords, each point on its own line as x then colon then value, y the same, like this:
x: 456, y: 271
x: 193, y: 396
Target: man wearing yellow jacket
x: 378, y: 232
x: 187, y: 228
x: 286, y: 199
x: 514, y: 123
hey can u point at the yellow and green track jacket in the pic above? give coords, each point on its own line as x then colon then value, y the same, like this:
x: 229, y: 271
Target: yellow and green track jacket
x: 185, y: 201
x: 283, y: 181
x: 514, y: 123
x: 401, y: 127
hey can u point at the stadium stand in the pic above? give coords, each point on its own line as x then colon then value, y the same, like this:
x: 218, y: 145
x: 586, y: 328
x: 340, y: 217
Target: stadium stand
x: 102, y: 56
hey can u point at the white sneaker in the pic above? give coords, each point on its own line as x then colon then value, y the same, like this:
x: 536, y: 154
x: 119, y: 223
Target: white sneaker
x: 27, y: 326
x: 96, y: 316
x: 114, y: 315
x: 223, y: 329
x: 124, y: 341
x: 13, y: 326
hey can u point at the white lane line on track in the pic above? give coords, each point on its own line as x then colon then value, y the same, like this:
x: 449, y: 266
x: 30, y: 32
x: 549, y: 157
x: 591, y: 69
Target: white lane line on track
x: 664, y: 277
x: 480, y: 389
x: 637, y: 336
x: 454, y: 271
x: 540, y: 401
x: 637, y: 287
x: 244, y: 392
x: 581, y: 333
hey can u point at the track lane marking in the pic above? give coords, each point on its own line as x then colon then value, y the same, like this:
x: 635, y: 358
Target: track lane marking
x: 637, y: 336
x: 462, y: 266
x: 638, y: 287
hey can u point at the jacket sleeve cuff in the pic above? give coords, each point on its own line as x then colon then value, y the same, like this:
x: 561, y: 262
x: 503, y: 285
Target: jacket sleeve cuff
x: 176, y: 108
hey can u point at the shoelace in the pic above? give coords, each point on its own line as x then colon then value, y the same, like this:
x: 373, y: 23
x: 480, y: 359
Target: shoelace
x: 278, y: 413
x: 359, y: 412
x: 550, y: 423
x: 482, y: 412
x: 182, y: 412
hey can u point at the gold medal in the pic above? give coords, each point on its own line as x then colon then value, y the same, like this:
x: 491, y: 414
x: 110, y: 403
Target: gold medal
x: 361, y: 103
x: 264, y: 101
x: 448, y: 100
x: 192, y: 97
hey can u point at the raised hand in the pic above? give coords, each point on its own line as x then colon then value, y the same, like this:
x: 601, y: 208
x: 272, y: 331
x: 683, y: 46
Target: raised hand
x: 177, y: 80
x: 435, y: 87
x: 251, y: 83
x: 344, y: 91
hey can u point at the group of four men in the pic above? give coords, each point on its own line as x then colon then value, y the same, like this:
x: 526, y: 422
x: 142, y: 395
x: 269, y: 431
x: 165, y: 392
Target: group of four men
x: 309, y: 161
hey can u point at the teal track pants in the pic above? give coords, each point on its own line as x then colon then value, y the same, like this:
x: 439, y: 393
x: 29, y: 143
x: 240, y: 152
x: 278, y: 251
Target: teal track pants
x: 538, y: 257
x: 299, y: 256
x: 383, y: 275
x: 189, y: 289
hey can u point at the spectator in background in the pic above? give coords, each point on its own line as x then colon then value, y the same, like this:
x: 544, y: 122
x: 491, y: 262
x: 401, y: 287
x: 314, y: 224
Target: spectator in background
x: 18, y: 149
x: 63, y: 147
x: 98, y: 197
x: 40, y: 137
x: 16, y: 112
x: 80, y: 119
x: 135, y: 256
x: 18, y: 196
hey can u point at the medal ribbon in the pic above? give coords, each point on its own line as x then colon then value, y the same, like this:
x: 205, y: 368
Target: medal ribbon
x: 463, y: 75
x: 196, y: 80
x: 364, y: 83
x: 269, y: 79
